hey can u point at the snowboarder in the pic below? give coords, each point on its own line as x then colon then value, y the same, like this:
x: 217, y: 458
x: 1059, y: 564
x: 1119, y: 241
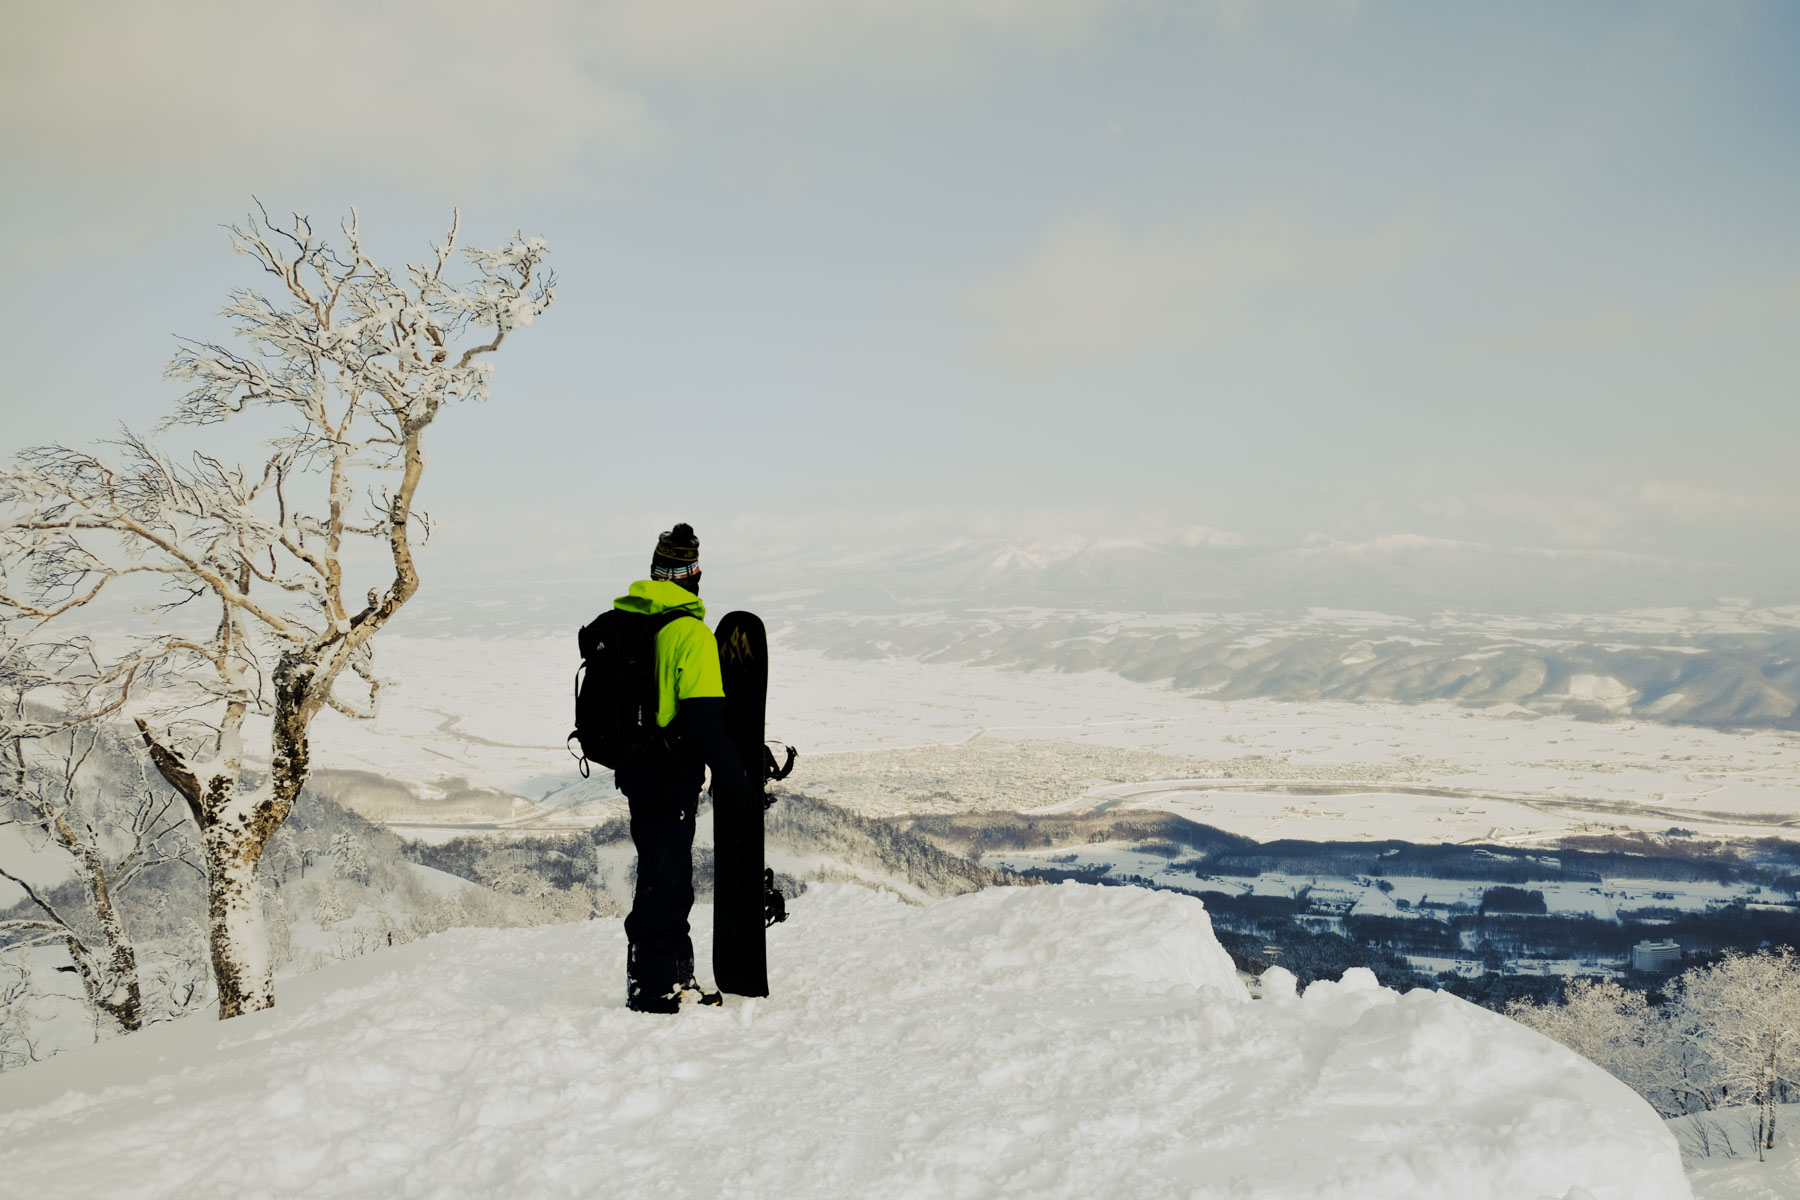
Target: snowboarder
x: 664, y: 790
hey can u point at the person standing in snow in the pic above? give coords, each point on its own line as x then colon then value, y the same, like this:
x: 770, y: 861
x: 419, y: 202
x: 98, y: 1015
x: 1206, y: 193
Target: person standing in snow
x: 664, y: 792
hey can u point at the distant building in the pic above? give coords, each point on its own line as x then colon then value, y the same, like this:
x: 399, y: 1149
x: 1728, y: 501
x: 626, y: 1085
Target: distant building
x: 1656, y: 956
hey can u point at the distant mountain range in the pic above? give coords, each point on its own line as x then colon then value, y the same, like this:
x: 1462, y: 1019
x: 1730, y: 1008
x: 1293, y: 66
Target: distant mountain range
x: 1723, y: 668
x: 1190, y: 570
x: 1403, y: 618
x: 1205, y: 570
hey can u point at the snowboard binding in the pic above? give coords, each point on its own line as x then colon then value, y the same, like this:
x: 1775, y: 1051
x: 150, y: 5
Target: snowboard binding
x: 774, y: 903
x: 773, y: 772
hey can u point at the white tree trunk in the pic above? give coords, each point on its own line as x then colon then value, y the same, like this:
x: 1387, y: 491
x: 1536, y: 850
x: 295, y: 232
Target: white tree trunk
x: 112, y: 984
x: 235, y: 932
x: 1770, y: 1088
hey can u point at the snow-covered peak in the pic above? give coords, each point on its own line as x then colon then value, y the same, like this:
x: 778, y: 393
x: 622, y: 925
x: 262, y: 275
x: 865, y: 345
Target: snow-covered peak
x: 1042, y: 553
x: 1047, y: 1042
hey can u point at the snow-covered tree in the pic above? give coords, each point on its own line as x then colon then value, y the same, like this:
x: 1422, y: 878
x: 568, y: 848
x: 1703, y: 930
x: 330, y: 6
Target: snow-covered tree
x: 351, y: 859
x: 1742, y: 1017
x: 1614, y: 1027
x: 110, y: 830
x: 261, y: 617
x: 1728, y: 1036
x: 16, y: 1048
x: 175, y: 975
x: 282, y: 864
x: 508, y: 871
x: 329, y: 908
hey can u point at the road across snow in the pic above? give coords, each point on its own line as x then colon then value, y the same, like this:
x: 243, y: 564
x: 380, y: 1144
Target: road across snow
x: 1049, y: 1042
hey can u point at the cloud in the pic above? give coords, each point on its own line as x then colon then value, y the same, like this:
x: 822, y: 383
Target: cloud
x: 115, y: 116
x: 1693, y: 505
x: 1757, y: 306
x: 1095, y: 292
x: 1566, y: 519
x: 709, y: 40
x: 107, y: 89
x: 1650, y: 512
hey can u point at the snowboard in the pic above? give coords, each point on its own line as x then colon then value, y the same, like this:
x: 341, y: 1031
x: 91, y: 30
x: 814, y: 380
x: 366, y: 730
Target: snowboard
x: 742, y: 908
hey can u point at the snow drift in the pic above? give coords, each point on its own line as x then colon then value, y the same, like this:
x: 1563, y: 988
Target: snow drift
x: 1054, y: 1041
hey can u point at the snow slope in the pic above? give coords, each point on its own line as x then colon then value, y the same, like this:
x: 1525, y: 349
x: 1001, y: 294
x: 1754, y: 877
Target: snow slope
x: 1721, y: 1154
x: 1052, y: 1041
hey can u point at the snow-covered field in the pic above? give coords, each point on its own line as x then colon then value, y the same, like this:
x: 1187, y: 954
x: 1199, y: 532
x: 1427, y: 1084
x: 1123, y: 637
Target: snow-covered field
x: 888, y: 736
x: 1352, y: 814
x: 1045, y: 1042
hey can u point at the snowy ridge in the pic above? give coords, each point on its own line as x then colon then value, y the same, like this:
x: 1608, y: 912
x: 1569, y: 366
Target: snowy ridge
x: 1052, y: 1041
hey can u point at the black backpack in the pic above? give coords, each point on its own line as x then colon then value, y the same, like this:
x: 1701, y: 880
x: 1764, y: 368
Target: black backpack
x: 616, y: 695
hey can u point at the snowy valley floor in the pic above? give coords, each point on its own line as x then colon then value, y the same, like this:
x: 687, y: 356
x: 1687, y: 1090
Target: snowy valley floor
x: 892, y: 737
x: 1044, y: 1042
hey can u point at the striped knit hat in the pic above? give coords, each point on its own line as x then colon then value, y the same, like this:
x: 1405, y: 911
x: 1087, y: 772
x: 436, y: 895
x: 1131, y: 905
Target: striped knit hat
x: 677, y: 554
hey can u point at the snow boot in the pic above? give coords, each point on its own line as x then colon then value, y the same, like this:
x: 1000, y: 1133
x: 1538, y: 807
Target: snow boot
x: 693, y: 993
x: 649, y: 981
x: 637, y: 1000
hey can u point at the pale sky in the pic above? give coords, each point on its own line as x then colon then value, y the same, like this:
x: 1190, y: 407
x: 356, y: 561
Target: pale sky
x: 851, y: 269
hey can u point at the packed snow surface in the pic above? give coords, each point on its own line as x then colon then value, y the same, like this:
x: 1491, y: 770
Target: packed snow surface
x: 1721, y: 1154
x: 1054, y: 1041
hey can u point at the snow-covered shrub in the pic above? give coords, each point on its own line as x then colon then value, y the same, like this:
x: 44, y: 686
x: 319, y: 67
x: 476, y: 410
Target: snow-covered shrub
x: 16, y: 1019
x: 1615, y: 1027
x: 1727, y: 1037
x: 1741, y: 1015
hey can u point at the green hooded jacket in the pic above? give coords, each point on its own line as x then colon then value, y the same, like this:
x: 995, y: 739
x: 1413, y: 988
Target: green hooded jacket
x: 687, y: 657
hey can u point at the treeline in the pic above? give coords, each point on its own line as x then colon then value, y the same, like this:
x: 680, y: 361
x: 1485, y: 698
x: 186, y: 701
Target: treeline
x: 1492, y: 864
x: 846, y: 845
x: 1311, y: 954
x: 1732, y: 927
x: 1207, y: 850
x: 563, y: 860
x: 974, y: 834
x: 812, y: 826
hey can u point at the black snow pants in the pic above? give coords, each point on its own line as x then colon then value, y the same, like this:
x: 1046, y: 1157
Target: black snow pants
x: 660, y: 958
